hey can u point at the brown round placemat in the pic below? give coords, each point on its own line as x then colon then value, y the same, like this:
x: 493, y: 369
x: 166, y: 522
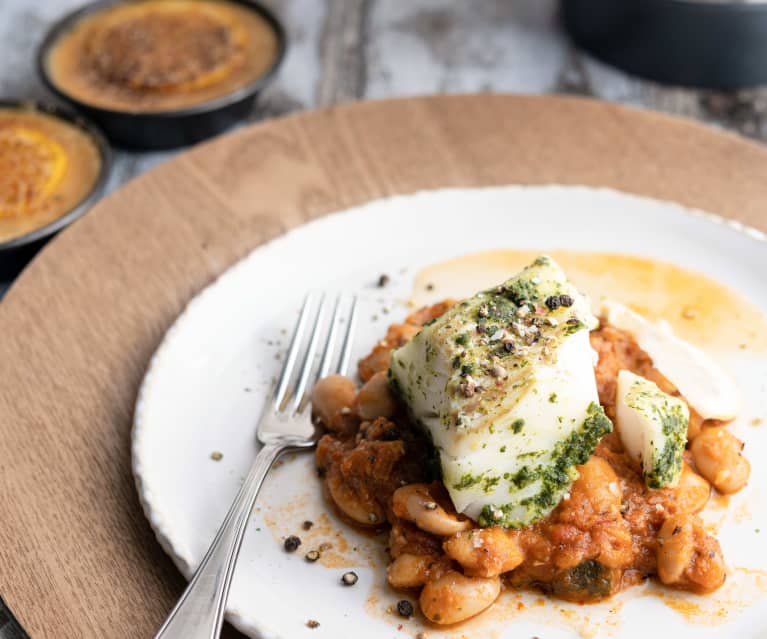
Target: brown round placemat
x: 77, y: 559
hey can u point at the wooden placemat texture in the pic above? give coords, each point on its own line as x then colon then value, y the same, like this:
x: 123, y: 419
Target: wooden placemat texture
x: 77, y: 558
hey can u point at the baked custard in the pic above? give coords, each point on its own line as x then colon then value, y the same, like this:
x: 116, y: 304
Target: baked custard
x: 162, y: 55
x: 47, y: 167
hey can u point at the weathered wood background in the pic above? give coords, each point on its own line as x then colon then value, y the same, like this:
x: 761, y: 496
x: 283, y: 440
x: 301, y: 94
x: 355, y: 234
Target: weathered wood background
x: 350, y: 49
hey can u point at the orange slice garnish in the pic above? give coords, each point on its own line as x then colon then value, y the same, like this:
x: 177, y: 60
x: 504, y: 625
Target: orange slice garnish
x: 32, y: 166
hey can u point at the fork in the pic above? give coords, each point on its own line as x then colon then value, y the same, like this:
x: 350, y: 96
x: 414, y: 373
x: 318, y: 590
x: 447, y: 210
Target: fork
x: 284, y: 426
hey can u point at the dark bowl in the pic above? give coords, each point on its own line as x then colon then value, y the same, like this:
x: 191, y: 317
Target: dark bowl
x: 14, y: 245
x: 715, y: 45
x: 166, y: 129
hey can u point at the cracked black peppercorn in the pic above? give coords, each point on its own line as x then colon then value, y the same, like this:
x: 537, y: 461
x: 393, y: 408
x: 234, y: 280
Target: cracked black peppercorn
x: 553, y: 302
x: 292, y: 543
x: 390, y: 434
x: 312, y: 556
x: 349, y: 578
x: 404, y: 608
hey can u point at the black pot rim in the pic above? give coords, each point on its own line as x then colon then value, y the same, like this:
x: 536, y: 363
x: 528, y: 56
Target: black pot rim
x: 675, y: 41
x: 90, y: 198
x: 720, y: 6
x: 209, y: 106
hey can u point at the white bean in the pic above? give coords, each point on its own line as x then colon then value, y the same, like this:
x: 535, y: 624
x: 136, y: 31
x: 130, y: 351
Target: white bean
x: 688, y: 557
x: 332, y: 400
x: 676, y: 545
x: 690, y: 494
x: 375, y: 398
x: 409, y: 571
x: 355, y: 506
x: 485, y: 552
x: 453, y: 597
x: 718, y: 455
x: 415, y: 503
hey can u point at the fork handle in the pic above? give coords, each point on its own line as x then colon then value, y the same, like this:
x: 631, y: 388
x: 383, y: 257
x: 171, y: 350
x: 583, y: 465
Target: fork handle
x: 199, y: 614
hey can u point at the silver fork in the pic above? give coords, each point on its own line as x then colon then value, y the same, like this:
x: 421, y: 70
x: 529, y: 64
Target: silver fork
x: 284, y: 425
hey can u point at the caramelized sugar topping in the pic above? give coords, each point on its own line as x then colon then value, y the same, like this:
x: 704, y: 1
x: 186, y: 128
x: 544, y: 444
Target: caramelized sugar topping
x: 160, y: 55
x: 157, y: 47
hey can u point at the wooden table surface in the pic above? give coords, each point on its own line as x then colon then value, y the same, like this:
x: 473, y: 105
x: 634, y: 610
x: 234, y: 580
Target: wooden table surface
x: 343, y: 50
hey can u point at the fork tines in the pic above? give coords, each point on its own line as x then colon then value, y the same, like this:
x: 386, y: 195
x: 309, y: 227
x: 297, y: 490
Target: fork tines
x: 290, y: 394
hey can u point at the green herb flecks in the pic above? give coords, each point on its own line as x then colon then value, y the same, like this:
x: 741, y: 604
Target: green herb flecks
x: 555, y: 476
x: 468, y: 480
x: 517, y: 425
x: 667, y: 466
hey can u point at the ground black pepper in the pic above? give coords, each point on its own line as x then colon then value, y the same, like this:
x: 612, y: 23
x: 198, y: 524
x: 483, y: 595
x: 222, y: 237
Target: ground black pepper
x: 404, y: 608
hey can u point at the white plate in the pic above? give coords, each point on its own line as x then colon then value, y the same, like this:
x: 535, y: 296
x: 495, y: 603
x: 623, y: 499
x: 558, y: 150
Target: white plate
x: 207, y: 381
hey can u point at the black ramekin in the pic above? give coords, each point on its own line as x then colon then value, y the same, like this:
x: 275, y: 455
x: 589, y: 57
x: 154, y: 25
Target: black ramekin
x: 166, y: 129
x: 715, y: 45
x: 9, y: 247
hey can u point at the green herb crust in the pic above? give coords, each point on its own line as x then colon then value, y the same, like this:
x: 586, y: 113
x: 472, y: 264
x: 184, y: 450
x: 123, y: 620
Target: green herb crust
x: 555, y: 476
x: 667, y: 465
x: 662, y: 462
x: 501, y: 382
